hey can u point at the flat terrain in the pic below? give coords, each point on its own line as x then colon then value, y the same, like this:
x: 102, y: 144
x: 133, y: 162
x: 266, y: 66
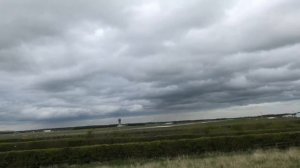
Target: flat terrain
x: 259, y: 159
x: 155, y: 140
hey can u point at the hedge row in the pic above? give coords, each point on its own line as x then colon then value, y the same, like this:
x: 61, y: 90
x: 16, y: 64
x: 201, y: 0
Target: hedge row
x: 64, y: 143
x: 209, y: 129
x: 68, y: 142
x: 86, y: 154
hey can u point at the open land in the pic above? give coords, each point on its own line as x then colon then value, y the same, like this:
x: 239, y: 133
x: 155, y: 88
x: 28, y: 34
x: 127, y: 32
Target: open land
x: 172, y: 144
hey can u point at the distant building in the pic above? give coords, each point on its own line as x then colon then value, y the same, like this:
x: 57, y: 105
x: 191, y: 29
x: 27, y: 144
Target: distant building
x: 47, y: 131
x: 119, y: 123
x: 291, y: 115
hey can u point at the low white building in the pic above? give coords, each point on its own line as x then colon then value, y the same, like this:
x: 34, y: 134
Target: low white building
x: 47, y: 131
x: 288, y: 115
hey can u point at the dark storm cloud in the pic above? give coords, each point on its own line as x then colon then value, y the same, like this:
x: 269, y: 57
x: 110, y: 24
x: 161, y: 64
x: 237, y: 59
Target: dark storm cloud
x: 64, y: 61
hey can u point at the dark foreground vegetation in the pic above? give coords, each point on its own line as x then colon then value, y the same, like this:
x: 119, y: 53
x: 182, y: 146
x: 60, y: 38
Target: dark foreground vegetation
x: 107, y: 144
x: 270, y: 158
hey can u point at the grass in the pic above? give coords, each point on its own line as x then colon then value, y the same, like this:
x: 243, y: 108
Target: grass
x: 220, y: 128
x: 33, y: 149
x: 272, y: 158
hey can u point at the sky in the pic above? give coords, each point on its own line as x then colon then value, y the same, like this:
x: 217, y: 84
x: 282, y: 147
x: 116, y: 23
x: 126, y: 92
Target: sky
x: 87, y: 62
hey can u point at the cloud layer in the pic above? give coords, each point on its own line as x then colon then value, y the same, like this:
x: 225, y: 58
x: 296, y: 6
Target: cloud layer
x: 78, y: 60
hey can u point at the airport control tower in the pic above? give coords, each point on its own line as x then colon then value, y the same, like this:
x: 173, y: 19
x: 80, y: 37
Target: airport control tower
x: 119, y: 122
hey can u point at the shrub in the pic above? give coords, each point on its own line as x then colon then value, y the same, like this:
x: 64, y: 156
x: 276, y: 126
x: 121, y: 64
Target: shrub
x: 85, y: 154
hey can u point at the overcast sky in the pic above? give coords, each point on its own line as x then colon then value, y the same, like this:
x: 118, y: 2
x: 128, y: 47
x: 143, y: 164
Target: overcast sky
x: 81, y: 62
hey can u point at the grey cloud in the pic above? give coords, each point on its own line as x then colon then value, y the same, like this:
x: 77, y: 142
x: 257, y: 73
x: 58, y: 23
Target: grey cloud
x: 66, y: 61
x: 267, y: 25
x: 31, y: 19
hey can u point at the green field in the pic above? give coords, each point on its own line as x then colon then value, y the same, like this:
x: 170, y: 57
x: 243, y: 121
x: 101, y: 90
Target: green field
x: 81, y: 146
x: 259, y: 159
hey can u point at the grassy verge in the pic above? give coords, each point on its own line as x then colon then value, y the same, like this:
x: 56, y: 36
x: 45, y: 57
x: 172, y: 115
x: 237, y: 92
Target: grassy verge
x: 272, y: 158
x: 110, y: 145
x: 168, y: 148
x: 229, y: 127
